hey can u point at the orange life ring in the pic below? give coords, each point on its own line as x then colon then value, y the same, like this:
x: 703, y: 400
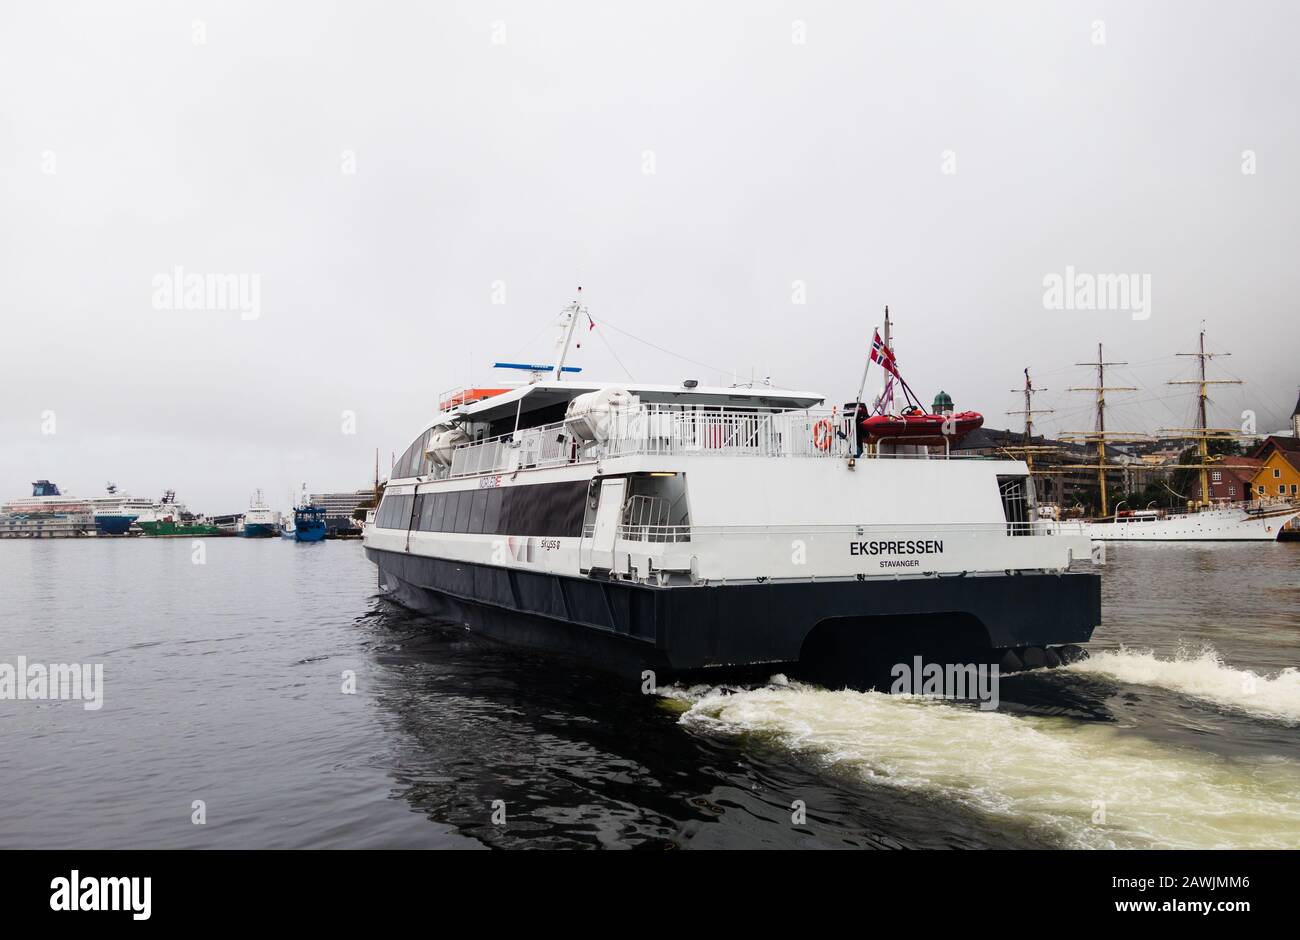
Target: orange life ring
x: 823, y: 434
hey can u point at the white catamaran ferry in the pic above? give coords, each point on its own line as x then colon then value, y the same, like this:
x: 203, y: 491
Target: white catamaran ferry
x: 677, y: 527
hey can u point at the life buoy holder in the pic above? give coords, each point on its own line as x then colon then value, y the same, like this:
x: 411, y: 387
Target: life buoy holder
x: 823, y: 434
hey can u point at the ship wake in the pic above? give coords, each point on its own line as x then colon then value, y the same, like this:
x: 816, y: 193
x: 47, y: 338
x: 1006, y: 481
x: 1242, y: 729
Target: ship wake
x: 1202, y: 674
x: 1064, y: 782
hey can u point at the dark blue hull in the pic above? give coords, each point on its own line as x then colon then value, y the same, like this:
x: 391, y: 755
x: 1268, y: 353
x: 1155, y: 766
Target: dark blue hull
x: 113, y: 525
x: 258, y: 530
x: 314, y: 532
x: 309, y: 524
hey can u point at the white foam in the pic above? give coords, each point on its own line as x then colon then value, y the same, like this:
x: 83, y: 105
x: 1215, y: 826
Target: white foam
x: 1202, y: 674
x: 1050, y: 776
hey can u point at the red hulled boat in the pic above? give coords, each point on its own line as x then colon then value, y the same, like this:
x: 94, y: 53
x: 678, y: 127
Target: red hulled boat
x: 916, y: 423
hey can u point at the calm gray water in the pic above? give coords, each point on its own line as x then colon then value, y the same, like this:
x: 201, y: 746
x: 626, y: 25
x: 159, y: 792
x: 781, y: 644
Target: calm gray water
x: 223, y: 683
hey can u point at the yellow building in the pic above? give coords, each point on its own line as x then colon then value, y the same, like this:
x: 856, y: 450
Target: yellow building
x: 1279, y: 475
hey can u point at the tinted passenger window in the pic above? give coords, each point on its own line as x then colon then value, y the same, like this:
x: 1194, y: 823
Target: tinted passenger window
x: 435, y: 517
x: 478, y: 507
x: 492, y: 517
x: 449, y: 515
x: 504, y: 525
x: 463, y: 506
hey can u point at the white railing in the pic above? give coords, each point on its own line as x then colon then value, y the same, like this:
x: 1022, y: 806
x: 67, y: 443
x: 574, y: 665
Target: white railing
x: 657, y: 429
x: 684, y: 533
x: 668, y: 431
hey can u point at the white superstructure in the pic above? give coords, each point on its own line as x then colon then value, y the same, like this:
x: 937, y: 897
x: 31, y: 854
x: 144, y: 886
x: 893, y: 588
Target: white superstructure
x: 713, y: 485
x: 260, y: 518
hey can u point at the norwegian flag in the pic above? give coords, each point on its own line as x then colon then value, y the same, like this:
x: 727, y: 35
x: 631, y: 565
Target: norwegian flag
x: 881, y: 353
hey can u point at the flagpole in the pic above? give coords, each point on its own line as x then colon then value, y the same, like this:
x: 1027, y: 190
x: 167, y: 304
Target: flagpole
x: 857, y: 402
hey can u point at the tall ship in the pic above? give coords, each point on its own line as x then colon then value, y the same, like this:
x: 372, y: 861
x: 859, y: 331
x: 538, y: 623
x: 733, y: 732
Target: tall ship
x: 1252, y: 518
x: 169, y: 518
x: 260, y: 521
x: 678, y: 527
x: 50, y: 513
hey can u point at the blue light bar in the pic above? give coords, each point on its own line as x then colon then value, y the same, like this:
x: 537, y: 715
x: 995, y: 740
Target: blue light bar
x: 529, y: 368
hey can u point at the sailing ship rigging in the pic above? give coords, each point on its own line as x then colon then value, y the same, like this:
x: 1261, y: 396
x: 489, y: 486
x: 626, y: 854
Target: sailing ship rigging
x: 1204, y: 519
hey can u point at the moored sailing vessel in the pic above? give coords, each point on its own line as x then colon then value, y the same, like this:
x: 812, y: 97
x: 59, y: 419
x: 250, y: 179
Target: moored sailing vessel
x: 1205, y: 519
x: 676, y: 527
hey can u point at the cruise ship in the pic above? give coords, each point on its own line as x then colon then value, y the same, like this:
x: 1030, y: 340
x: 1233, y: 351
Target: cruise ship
x: 115, y: 513
x: 679, y: 527
x: 50, y: 513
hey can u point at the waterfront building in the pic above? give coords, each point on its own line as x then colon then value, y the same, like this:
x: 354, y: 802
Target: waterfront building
x: 340, y: 506
x: 1279, y: 472
x: 1230, y: 480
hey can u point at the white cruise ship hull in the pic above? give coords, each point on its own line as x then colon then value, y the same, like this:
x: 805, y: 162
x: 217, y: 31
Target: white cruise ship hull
x: 1232, y: 524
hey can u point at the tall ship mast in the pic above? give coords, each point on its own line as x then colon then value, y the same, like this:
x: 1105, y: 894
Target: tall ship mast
x: 1204, y: 520
x: 1202, y: 433
x: 678, y: 526
x: 1099, y: 435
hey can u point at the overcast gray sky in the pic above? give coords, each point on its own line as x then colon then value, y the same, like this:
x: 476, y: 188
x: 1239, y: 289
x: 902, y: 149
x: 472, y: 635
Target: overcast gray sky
x: 380, y: 167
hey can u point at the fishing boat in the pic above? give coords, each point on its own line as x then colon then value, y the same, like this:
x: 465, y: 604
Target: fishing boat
x: 309, y: 523
x: 679, y: 526
x: 259, y: 520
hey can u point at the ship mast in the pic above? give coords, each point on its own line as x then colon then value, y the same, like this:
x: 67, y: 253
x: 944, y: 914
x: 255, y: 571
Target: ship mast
x: 1029, y: 413
x: 1203, y: 429
x: 572, y: 310
x: 888, y: 340
x: 1099, y: 435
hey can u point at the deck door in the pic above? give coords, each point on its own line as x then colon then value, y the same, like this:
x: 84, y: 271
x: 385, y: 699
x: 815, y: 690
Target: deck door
x: 609, y: 515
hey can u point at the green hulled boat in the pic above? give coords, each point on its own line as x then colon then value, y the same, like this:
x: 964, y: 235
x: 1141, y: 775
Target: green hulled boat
x: 169, y: 518
x: 163, y: 527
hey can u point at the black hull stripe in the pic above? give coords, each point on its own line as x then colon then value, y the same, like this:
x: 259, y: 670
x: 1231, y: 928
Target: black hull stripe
x: 692, y: 626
